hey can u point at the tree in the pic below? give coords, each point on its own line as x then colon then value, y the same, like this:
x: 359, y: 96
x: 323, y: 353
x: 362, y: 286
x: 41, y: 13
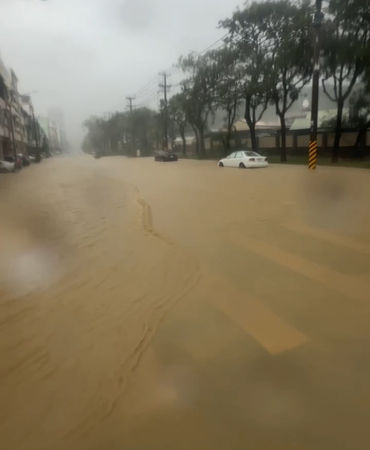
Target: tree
x: 359, y: 116
x: 145, y: 128
x: 227, y: 95
x: 346, y: 54
x: 95, y: 138
x: 288, y: 52
x: 122, y: 133
x: 247, y: 38
x: 198, y: 90
x: 177, y: 113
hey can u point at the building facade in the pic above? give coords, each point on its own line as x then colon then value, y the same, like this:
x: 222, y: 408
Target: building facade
x: 19, y: 130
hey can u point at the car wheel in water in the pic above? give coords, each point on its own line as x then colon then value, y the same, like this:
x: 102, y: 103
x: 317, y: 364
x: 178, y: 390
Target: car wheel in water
x: 241, y: 166
x: 220, y: 164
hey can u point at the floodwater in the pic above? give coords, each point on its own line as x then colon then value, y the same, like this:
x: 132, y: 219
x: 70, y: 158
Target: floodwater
x: 175, y: 306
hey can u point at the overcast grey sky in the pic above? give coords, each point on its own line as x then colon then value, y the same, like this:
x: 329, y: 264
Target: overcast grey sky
x: 87, y: 55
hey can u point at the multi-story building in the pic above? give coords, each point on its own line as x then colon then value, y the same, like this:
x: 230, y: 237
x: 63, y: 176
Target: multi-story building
x: 6, y: 140
x: 16, y: 110
x: 19, y: 131
x: 52, y: 132
x: 56, y: 116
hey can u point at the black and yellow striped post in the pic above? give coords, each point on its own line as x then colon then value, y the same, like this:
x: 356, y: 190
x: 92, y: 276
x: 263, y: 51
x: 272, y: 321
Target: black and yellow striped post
x: 312, y: 148
x: 312, y: 155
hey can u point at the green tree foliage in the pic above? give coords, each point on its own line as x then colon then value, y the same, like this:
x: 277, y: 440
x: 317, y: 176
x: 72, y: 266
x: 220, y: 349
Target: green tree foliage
x: 346, y: 53
x: 288, y: 52
x: 122, y: 133
x: 198, y: 91
x: 247, y: 38
x: 95, y: 139
x: 273, y: 43
x: 146, y: 129
x: 359, y: 117
x: 176, y: 109
x: 266, y: 59
x: 227, y: 87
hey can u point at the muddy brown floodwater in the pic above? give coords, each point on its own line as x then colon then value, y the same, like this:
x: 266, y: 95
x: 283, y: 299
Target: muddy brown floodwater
x: 181, y: 306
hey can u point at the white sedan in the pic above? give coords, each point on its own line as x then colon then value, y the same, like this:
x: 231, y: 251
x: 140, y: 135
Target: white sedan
x: 6, y: 166
x: 243, y: 159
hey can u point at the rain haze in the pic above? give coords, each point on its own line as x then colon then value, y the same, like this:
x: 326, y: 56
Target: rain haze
x: 184, y: 225
x: 85, y: 56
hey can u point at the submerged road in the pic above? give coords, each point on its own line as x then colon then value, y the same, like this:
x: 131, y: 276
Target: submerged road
x: 163, y: 306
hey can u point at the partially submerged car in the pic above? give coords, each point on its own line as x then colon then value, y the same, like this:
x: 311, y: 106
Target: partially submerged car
x: 244, y: 159
x: 162, y: 155
x: 6, y: 166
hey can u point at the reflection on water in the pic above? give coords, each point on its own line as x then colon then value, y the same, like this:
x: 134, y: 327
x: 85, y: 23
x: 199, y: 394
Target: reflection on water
x: 34, y: 269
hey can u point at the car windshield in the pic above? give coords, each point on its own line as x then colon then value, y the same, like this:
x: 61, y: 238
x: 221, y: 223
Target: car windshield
x: 249, y: 153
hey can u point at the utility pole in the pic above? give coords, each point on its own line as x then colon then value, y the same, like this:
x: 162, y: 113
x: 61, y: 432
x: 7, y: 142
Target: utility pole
x: 312, y: 151
x: 130, y: 106
x: 130, y: 100
x: 165, y: 88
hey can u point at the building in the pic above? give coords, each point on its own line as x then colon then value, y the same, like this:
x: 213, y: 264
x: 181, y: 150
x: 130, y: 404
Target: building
x: 19, y: 131
x: 52, y: 132
x: 56, y: 116
x: 6, y: 141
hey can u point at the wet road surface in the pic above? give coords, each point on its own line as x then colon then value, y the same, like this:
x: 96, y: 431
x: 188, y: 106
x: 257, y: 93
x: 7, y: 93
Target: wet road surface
x: 181, y: 306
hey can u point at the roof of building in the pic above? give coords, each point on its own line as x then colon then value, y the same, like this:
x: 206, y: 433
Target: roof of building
x: 4, y: 72
x: 241, y: 125
x: 323, y: 116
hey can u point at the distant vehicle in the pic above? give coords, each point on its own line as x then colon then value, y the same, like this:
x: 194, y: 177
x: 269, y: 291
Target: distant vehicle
x: 34, y: 159
x: 25, y: 159
x: 17, y: 161
x: 244, y: 159
x: 162, y: 155
x: 6, y: 166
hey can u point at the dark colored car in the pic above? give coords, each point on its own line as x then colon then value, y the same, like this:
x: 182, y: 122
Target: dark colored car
x: 162, y: 155
x: 25, y: 159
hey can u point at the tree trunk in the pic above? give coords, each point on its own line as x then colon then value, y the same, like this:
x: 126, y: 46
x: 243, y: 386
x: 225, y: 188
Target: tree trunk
x: 250, y: 123
x: 283, y: 156
x: 196, y: 134
x: 227, y: 141
x: 338, y: 132
x: 252, y: 129
x: 183, y: 143
x: 202, y: 149
x: 361, y: 137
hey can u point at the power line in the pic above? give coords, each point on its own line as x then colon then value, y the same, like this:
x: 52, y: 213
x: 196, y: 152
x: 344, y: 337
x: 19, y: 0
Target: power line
x: 213, y: 44
x: 171, y: 70
x: 147, y: 90
x: 148, y: 93
x: 148, y: 86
